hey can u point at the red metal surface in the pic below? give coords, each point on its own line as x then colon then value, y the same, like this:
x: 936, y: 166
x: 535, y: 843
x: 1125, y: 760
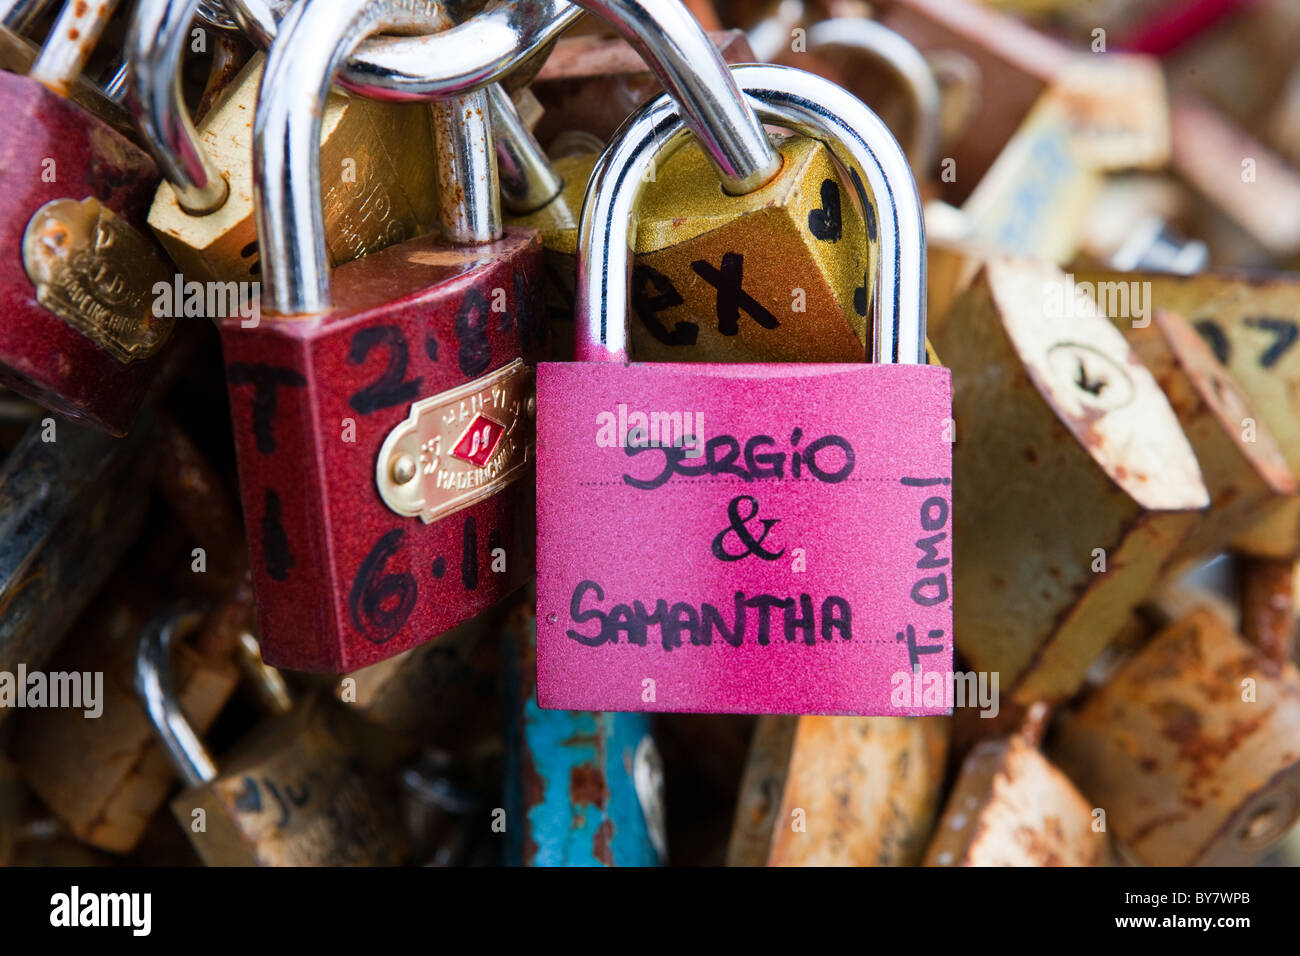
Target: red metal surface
x: 42, y: 356
x: 341, y: 580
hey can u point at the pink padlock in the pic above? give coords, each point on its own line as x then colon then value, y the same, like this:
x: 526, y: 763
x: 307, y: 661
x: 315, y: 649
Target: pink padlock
x: 747, y: 538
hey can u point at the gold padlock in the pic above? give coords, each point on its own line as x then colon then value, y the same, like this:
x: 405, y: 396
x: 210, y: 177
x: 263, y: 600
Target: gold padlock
x: 839, y: 791
x: 1191, y: 748
x: 302, y: 790
x: 377, y: 186
x: 1075, y: 463
x: 713, y: 272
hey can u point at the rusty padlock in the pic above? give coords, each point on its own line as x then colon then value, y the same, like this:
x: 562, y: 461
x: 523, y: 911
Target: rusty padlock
x: 839, y: 791
x: 376, y: 186
x: 1011, y: 806
x: 300, y: 791
x: 688, y: 627
x: 1077, y: 463
x: 582, y: 788
x: 402, y: 377
x: 77, y: 289
x: 1191, y: 748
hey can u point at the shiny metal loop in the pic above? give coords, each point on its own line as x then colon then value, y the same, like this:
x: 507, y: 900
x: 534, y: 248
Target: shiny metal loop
x: 782, y: 96
x: 213, y: 14
x: 498, y: 40
x: 153, y: 684
x: 528, y: 179
x: 155, y: 47
x: 895, y: 53
x: 314, y: 39
x: 504, y: 36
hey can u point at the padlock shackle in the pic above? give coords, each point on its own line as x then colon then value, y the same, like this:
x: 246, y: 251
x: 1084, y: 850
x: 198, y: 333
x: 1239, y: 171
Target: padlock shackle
x: 155, y: 48
x: 782, y: 96
x: 893, y: 51
x: 153, y: 685
x: 529, y: 180
x: 499, y: 40
x: 314, y: 39
x: 676, y: 48
x: 505, y: 35
x: 71, y: 39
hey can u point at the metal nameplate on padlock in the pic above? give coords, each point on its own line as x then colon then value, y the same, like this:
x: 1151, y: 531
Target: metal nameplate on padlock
x: 460, y: 446
x: 749, y: 538
x: 97, y: 273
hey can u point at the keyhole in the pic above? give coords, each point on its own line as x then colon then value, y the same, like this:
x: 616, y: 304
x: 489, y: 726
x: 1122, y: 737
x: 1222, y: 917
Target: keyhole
x: 1093, y: 386
x: 1095, y: 379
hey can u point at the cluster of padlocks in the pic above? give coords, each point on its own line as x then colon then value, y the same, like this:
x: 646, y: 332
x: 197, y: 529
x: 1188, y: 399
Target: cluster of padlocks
x: 509, y: 432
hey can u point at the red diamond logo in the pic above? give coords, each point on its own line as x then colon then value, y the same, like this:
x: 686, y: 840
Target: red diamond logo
x: 480, y: 441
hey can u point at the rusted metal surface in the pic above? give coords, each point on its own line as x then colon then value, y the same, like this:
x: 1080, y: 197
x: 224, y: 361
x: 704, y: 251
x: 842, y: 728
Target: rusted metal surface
x: 1192, y: 749
x: 1079, y: 481
x: 582, y: 788
x: 1268, y: 609
x: 1012, y: 807
x: 852, y: 791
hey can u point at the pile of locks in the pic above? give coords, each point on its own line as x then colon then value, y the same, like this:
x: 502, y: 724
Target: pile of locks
x: 409, y: 596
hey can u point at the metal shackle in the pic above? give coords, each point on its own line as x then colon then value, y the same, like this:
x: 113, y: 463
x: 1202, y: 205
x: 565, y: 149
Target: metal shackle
x: 157, y: 692
x: 155, y: 47
x: 153, y: 685
x: 782, y: 96
x: 69, y: 43
x: 895, y: 53
x: 498, y: 40
x: 314, y: 39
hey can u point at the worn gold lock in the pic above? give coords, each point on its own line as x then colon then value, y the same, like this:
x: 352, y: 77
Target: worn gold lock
x: 839, y: 791
x: 1077, y: 465
x: 378, y: 187
x: 1191, y: 748
x: 302, y: 790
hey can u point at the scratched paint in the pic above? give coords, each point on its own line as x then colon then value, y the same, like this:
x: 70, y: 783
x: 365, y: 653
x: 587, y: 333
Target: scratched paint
x: 572, y: 778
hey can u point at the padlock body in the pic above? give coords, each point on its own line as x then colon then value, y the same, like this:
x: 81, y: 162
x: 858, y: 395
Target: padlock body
x: 76, y: 290
x: 342, y: 579
x: 582, y: 789
x: 301, y: 791
x: 800, y: 562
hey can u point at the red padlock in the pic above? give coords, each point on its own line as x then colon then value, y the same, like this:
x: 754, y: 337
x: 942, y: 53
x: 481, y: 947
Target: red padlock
x: 384, y: 435
x: 80, y: 334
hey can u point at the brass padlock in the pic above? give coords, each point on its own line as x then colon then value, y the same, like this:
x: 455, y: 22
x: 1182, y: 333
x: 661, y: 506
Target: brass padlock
x: 839, y: 791
x: 106, y: 778
x: 1073, y: 461
x: 1012, y: 807
x: 1191, y: 748
x: 300, y: 791
x: 377, y: 187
